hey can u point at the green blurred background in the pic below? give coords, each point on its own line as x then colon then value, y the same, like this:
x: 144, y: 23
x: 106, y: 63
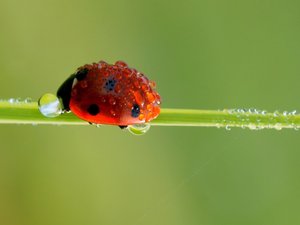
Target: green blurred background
x: 208, y: 54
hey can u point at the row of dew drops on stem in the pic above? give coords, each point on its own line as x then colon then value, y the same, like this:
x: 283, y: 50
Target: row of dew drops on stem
x: 17, y: 100
x: 256, y: 119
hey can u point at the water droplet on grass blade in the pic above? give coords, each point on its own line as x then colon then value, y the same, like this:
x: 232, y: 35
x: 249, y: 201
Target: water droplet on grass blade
x: 28, y: 100
x: 11, y: 100
x: 18, y: 100
x: 278, y: 126
x: 276, y: 113
x: 49, y: 105
x: 227, y: 127
x: 139, y: 129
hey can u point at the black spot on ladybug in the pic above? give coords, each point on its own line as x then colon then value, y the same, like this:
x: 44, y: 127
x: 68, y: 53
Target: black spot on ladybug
x: 123, y: 127
x: 93, y: 109
x: 110, y: 84
x: 81, y: 74
x: 135, y: 110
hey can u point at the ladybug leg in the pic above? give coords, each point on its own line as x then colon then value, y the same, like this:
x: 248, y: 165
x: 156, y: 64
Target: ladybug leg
x: 94, y: 124
x: 123, y: 127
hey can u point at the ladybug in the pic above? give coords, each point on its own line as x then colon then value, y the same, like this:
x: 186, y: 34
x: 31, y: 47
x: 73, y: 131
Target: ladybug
x: 101, y: 93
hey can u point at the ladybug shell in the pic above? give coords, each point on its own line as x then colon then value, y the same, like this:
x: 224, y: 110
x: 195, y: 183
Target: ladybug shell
x: 101, y: 93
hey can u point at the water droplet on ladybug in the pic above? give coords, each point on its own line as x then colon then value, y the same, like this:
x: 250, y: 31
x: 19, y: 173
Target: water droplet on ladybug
x: 49, y: 105
x: 112, y: 101
x: 83, y: 84
x: 121, y: 63
x: 139, y: 129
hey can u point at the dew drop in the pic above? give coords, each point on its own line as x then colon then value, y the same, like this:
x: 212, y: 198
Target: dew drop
x: 276, y: 113
x: 83, y: 84
x: 278, y: 126
x: 113, y: 112
x: 49, y: 105
x: 139, y: 129
x: 28, y: 100
x: 121, y: 63
x: 112, y: 101
x: 18, y: 100
x: 242, y: 111
x: 230, y: 111
x: 11, y: 100
x: 227, y: 127
x: 252, y: 126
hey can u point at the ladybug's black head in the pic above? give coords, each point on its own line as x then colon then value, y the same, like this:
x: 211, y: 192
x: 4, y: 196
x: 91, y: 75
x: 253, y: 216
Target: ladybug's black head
x: 64, y: 91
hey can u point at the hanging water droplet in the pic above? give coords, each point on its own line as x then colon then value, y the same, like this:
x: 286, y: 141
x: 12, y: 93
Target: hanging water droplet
x: 260, y: 127
x: 139, y: 129
x: 252, y: 126
x: 49, y: 105
x: 227, y: 127
x: 278, y: 126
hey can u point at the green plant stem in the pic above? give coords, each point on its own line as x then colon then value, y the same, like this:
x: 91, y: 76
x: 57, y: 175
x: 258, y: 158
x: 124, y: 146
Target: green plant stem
x: 28, y: 113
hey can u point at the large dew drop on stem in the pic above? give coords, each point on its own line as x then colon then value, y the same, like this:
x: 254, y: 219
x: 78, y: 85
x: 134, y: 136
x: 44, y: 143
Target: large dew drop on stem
x: 139, y: 129
x: 49, y: 105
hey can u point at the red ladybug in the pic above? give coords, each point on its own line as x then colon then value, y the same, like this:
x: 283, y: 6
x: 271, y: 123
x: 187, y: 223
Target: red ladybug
x: 101, y: 93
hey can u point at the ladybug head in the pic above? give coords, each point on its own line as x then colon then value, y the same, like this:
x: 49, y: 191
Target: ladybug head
x: 64, y: 91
